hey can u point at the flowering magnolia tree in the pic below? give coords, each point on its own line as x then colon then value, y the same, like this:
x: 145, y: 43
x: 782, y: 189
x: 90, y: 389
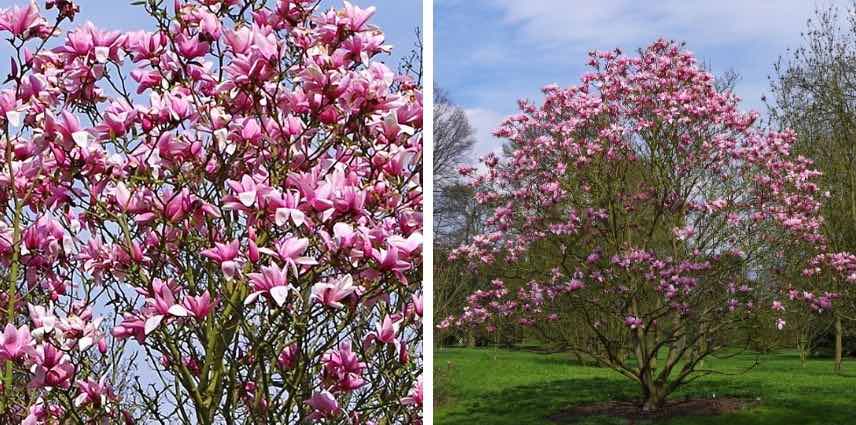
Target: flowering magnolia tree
x: 659, y: 204
x: 217, y: 221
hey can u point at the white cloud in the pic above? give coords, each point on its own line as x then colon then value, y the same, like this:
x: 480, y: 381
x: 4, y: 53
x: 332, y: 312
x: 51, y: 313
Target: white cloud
x: 604, y: 24
x: 485, y: 121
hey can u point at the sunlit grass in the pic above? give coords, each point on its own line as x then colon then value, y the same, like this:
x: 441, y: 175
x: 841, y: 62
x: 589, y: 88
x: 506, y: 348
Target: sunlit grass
x: 496, y: 387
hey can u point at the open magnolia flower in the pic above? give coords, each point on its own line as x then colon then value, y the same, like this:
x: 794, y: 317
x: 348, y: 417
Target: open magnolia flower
x: 224, y: 204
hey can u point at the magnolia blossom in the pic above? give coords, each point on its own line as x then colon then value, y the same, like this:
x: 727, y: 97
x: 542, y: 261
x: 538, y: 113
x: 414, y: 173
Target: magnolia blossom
x: 15, y: 343
x: 343, y: 367
x: 414, y: 397
x: 633, y: 322
x: 325, y: 405
x: 272, y: 281
x: 225, y: 254
x: 164, y: 180
x: 332, y: 294
x: 52, y: 368
x: 96, y: 393
x: 162, y: 305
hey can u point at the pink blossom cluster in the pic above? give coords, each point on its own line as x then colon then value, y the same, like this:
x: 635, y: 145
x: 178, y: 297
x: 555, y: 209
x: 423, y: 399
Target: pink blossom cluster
x: 236, y: 192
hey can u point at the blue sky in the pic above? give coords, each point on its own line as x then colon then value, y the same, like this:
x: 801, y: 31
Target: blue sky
x: 398, y: 19
x: 489, y: 53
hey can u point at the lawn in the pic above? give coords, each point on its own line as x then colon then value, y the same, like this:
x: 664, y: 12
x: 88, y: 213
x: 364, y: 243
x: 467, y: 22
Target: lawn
x: 496, y: 387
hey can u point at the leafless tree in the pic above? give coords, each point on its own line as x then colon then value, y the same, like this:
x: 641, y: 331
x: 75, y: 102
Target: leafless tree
x: 814, y: 93
x: 453, y: 139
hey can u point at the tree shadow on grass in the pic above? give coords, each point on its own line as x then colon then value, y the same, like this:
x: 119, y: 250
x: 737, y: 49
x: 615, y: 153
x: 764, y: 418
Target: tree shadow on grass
x: 533, y: 404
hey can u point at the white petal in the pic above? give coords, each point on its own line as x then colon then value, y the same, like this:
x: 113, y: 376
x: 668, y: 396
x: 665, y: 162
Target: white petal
x: 81, y: 138
x: 252, y: 298
x: 279, y: 294
x: 14, y: 118
x: 78, y: 401
x: 341, y: 230
x: 37, y: 333
x: 247, y: 198
x: 85, y: 343
x: 327, y: 214
x: 406, y: 129
x: 152, y: 323
x: 221, y: 134
x: 230, y: 148
x: 101, y: 54
x: 178, y: 311
x: 282, y: 216
x: 298, y: 217
x: 267, y: 251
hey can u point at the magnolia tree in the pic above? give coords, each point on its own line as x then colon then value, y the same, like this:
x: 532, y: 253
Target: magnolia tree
x: 659, y: 203
x: 216, y: 221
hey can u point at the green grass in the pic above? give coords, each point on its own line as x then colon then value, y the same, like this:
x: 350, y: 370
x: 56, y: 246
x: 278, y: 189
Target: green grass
x: 524, y: 387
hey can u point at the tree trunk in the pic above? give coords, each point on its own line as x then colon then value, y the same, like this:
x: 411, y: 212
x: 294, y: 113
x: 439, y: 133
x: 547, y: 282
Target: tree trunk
x: 803, y: 345
x: 655, y: 397
x: 471, y: 339
x: 839, y: 346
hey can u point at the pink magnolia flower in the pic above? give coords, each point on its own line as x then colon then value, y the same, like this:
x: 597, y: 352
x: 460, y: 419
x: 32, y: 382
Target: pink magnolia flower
x: 417, y: 304
x: 199, y: 306
x: 386, y: 332
x: 191, y: 47
x: 325, y: 405
x: 414, y: 397
x: 21, y: 21
x: 410, y: 245
x: 287, y: 209
x: 132, y: 326
x: 95, y: 393
x: 287, y: 358
x: 343, y: 367
x: 52, y: 368
x: 291, y: 251
x: 633, y: 322
x: 162, y: 305
x: 81, y: 329
x: 357, y: 17
x: 389, y: 260
x: 119, y: 117
x: 331, y: 293
x: 272, y: 281
x: 248, y: 192
x: 15, y: 343
x: 40, y: 413
x: 225, y: 254
x: 44, y: 322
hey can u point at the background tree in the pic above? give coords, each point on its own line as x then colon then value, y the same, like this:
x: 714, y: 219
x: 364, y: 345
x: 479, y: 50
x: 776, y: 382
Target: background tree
x: 457, y: 217
x: 453, y: 140
x: 814, y: 93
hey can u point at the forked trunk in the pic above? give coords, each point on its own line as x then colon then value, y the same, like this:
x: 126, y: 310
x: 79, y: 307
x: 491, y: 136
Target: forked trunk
x: 655, y: 397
